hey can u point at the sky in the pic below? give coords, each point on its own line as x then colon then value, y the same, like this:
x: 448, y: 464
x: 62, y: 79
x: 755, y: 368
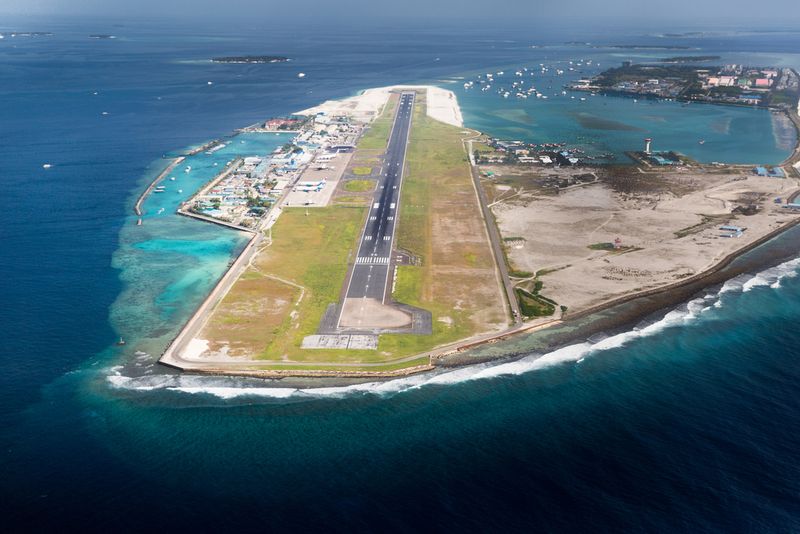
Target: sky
x: 518, y: 12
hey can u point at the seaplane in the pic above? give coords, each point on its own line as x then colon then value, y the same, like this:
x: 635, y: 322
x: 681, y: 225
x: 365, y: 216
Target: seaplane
x: 311, y: 187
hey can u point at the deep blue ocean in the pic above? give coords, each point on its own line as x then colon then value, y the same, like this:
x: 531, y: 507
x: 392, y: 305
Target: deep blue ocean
x: 688, y: 421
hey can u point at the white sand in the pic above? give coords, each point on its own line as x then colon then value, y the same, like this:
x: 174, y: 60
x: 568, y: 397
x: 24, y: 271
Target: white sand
x: 195, y: 349
x: 442, y: 104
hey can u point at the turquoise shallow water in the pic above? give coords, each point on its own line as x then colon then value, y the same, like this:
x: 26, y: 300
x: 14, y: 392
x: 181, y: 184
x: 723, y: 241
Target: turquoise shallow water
x: 614, y: 124
x: 688, y: 422
x: 170, y: 263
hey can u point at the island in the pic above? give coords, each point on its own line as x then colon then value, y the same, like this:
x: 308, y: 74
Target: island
x: 250, y: 59
x: 688, y: 59
x: 773, y: 87
x: 386, y: 239
x: 3, y: 35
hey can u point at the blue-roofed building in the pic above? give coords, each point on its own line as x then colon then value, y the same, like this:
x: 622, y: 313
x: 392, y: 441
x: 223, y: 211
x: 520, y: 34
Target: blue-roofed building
x: 777, y: 172
x: 760, y: 171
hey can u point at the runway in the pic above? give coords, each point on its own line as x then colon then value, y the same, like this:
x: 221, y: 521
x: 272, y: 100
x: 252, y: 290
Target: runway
x: 369, y: 277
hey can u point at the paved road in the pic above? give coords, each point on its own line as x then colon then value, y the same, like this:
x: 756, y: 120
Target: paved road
x: 370, y: 274
x: 497, y: 246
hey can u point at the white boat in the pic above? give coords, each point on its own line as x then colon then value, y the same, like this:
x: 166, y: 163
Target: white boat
x: 46, y: 166
x: 180, y: 190
x: 301, y: 75
x: 172, y: 178
x: 188, y: 168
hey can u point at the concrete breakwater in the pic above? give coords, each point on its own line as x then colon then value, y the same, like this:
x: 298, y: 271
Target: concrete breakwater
x: 137, y: 208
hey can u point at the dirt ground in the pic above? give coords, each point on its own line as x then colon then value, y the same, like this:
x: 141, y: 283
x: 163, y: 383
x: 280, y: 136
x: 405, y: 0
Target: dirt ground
x: 667, y: 223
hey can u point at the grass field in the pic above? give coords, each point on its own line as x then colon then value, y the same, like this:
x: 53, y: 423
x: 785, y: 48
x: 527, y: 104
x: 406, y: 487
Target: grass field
x: 282, y: 297
x: 311, y: 251
x: 362, y: 171
x: 377, y: 135
x: 440, y: 222
x: 359, y: 186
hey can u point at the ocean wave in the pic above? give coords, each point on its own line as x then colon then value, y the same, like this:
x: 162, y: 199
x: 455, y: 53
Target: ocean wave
x: 227, y: 388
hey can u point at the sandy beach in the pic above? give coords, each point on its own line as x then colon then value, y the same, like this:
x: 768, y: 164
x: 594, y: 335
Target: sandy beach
x: 441, y: 104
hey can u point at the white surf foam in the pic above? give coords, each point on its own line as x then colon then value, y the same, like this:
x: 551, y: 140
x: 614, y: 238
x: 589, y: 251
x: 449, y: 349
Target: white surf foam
x: 227, y: 388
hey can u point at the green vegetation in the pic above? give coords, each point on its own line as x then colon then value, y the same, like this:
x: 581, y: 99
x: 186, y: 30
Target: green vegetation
x: 786, y: 98
x: 534, y: 305
x: 377, y: 134
x: 629, y: 73
x: 284, y: 295
x: 362, y: 171
x: 359, y: 186
x: 611, y: 248
x: 707, y: 222
x: 602, y: 246
x: 688, y: 59
x: 422, y: 360
x: 439, y: 182
x: 351, y: 200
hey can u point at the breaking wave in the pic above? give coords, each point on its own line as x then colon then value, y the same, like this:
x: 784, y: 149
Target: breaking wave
x: 227, y: 388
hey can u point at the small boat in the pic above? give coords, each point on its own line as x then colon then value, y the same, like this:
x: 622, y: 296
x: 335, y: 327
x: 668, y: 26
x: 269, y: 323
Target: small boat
x: 702, y: 141
x: 180, y: 190
x: 188, y: 168
x: 210, y: 83
x: 46, y: 166
x: 172, y: 178
x: 120, y: 342
x: 161, y: 211
x: 301, y: 74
